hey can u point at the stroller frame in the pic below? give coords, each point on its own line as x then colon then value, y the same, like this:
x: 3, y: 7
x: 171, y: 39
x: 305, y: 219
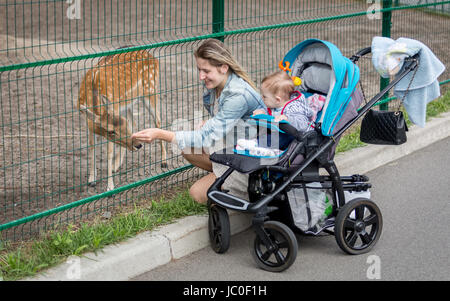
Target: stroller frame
x: 271, y: 235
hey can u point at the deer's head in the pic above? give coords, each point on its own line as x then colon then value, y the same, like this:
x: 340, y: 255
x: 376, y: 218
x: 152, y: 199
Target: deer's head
x: 111, y: 124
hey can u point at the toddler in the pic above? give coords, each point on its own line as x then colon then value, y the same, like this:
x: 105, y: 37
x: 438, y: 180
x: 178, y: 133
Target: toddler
x: 285, y: 103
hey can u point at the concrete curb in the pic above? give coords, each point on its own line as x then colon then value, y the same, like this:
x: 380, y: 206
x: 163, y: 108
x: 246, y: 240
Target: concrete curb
x: 142, y: 253
x: 149, y: 250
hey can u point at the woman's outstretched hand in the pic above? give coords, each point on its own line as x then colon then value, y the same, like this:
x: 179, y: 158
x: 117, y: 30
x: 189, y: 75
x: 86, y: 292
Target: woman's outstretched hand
x: 146, y: 136
x: 152, y: 134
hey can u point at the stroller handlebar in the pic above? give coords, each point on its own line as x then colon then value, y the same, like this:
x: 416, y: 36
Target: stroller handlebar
x: 360, y: 53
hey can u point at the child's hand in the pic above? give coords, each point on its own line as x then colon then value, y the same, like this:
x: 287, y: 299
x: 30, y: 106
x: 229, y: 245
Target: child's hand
x: 259, y: 111
x: 280, y: 117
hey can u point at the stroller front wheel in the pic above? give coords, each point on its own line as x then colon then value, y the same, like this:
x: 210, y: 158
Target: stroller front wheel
x: 219, y: 229
x: 283, y: 252
x: 358, y: 226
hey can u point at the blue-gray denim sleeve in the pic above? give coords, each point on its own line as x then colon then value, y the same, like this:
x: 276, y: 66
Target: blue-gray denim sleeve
x: 233, y: 108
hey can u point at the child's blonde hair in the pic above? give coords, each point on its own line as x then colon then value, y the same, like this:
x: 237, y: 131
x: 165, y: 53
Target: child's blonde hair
x: 218, y: 54
x: 279, y: 83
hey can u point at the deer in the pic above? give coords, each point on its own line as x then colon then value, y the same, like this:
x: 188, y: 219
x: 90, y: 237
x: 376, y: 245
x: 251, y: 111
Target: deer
x: 106, y: 96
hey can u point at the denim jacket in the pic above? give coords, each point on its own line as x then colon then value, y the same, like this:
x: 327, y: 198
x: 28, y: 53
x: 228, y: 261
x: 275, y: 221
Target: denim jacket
x: 237, y: 102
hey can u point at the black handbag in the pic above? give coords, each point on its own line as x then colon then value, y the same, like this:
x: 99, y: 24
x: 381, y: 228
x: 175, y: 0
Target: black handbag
x: 383, y: 127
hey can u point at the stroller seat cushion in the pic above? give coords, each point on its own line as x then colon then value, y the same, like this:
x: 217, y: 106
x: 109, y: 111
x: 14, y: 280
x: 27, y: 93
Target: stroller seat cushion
x: 313, y: 66
x: 317, y: 78
x: 315, y: 52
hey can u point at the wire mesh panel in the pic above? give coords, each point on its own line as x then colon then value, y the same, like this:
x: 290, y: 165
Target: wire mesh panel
x: 48, y: 47
x: 45, y: 151
x: 39, y: 30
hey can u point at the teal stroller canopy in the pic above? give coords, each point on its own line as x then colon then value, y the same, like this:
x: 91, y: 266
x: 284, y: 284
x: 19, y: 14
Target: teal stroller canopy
x: 323, y: 69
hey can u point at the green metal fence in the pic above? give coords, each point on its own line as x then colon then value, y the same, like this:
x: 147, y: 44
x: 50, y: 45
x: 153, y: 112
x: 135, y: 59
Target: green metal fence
x: 46, y: 47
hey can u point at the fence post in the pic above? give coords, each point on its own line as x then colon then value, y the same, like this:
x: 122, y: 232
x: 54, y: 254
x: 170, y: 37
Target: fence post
x: 385, y: 32
x: 218, y: 17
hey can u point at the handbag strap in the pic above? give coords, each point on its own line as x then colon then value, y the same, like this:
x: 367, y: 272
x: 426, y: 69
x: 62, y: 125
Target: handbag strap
x: 409, y: 85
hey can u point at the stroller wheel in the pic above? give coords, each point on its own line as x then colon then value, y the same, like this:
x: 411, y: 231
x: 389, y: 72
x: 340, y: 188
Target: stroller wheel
x: 358, y: 226
x: 283, y: 252
x: 219, y: 229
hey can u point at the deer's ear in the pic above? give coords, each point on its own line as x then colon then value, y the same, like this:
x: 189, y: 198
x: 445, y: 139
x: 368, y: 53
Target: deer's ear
x: 104, y: 99
x: 89, y: 114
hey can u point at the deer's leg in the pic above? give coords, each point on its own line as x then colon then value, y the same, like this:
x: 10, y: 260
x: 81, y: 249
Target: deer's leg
x: 119, y: 154
x: 116, y: 154
x: 110, y: 155
x: 152, y: 107
x: 91, y: 160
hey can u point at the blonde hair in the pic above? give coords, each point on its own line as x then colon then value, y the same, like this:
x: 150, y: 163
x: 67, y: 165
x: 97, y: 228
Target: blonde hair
x: 218, y: 54
x: 279, y: 83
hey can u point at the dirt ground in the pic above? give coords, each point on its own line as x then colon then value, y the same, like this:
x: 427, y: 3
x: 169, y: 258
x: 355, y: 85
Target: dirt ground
x: 43, y: 137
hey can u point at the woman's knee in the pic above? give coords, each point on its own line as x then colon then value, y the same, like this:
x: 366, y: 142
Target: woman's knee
x: 198, y: 194
x: 199, y: 189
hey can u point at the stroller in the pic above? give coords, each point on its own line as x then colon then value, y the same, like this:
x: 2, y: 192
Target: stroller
x: 357, y: 223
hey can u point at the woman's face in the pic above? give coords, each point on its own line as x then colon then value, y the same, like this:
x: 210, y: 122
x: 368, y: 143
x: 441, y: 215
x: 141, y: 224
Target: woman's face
x: 213, y: 77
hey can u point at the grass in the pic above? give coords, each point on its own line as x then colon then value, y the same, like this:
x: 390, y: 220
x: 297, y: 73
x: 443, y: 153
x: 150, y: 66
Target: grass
x: 350, y: 140
x: 439, y: 106
x: 52, y: 248
x: 28, y: 258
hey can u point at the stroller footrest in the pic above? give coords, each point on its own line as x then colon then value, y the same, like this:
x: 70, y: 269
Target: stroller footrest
x: 228, y: 201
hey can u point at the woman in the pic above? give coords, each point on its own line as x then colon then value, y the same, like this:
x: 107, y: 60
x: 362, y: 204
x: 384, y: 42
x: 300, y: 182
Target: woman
x: 231, y: 92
